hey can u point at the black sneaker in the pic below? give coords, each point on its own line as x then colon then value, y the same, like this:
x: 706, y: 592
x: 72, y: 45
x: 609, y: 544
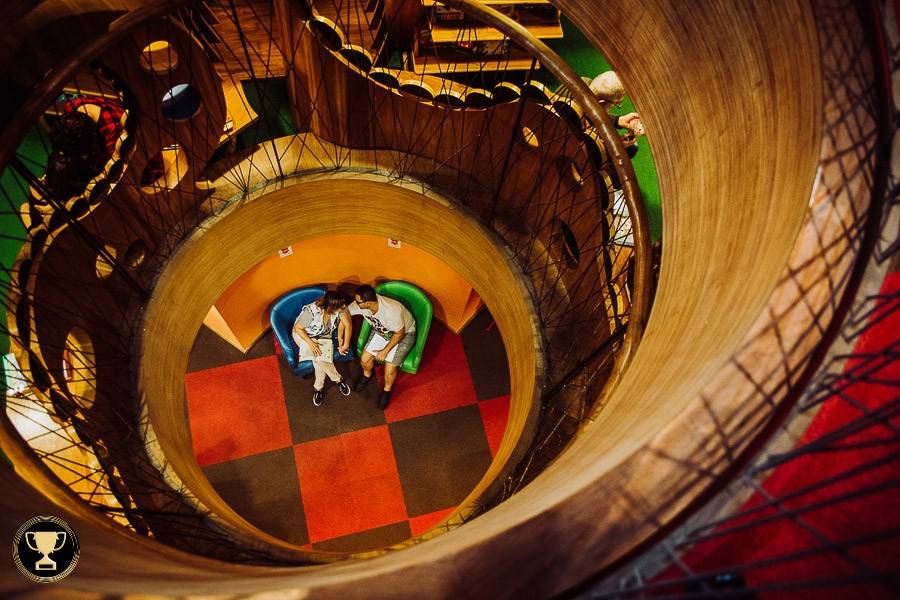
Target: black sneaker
x: 343, y: 387
x: 384, y: 398
x: 318, y: 397
x: 361, y: 383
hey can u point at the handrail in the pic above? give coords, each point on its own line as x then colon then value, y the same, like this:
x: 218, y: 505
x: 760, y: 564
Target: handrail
x: 48, y: 88
x: 640, y: 305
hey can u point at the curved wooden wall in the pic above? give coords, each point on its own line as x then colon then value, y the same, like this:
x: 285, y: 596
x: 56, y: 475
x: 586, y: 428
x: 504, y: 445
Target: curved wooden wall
x: 304, y: 209
x: 738, y: 181
x: 460, y: 151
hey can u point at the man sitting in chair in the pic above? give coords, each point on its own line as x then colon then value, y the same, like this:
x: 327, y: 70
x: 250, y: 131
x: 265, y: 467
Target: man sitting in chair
x: 394, y: 335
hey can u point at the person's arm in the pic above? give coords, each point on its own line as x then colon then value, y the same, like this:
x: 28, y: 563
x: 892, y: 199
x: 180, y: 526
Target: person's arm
x: 395, y: 339
x: 345, y: 332
x: 301, y: 332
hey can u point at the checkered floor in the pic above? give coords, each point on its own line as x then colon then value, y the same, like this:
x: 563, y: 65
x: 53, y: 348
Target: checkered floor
x: 347, y: 477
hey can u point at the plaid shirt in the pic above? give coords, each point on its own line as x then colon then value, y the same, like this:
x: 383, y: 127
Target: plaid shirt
x: 110, y: 121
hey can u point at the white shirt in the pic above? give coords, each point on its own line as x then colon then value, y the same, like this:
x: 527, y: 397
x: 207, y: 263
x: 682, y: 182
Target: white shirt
x: 392, y: 316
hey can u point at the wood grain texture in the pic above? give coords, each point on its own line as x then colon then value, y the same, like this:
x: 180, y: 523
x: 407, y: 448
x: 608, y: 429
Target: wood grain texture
x: 737, y: 178
x: 305, y: 209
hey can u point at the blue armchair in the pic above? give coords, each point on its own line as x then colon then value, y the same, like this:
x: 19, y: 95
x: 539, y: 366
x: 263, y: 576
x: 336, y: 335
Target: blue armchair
x: 282, y: 316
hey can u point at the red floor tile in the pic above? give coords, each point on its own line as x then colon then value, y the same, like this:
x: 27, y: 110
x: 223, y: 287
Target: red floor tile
x: 442, y: 383
x: 494, y: 414
x: 237, y: 410
x: 422, y: 523
x: 349, y: 483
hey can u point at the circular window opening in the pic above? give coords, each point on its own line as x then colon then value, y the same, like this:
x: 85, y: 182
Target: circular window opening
x: 358, y: 57
x: 450, y: 98
x: 135, y: 254
x: 570, y: 245
x: 529, y: 138
x: 479, y: 98
x: 595, y: 147
x: 327, y: 33
x: 79, y: 368
x: 181, y: 102
x: 384, y: 77
x: 165, y: 170
x: 158, y: 57
x: 417, y: 88
x: 506, y: 92
x: 569, y: 111
x: 105, y: 259
x: 569, y: 174
x: 537, y: 91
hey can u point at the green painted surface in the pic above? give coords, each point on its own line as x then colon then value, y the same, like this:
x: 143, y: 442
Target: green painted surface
x: 13, y: 192
x: 269, y: 98
x: 587, y: 61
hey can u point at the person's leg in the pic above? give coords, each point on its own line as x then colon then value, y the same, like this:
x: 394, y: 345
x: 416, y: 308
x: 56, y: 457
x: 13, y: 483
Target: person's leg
x: 390, y: 368
x: 367, y: 362
x: 318, y: 383
x: 331, y: 371
x: 390, y: 374
x: 319, y: 370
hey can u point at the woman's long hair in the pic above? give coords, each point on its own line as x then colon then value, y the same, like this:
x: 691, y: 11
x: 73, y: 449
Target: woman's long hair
x: 332, y: 301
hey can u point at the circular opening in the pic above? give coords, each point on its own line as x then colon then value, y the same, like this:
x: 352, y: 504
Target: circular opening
x: 384, y: 77
x: 570, y: 245
x: 79, y: 368
x: 428, y: 282
x: 181, y: 102
x: 104, y: 267
x: 529, y: 138
x: 507, y: 92
x: 569, y: 174
x: 537, y: 91
x: 569, y: 111
x: 327, y: 33
x: 450, y: 98
x: 493, y: 274
x: 99, y: 191
x: 158, y: 57
x: 165, y: 170
x: 358, y: 57
x: 595, y: 147
x: 417, y: 88
x: 78, y: 208
x: 135, y: 254
x: 478, y: 98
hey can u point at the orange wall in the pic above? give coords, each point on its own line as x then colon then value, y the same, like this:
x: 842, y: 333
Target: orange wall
x: 241, y: 312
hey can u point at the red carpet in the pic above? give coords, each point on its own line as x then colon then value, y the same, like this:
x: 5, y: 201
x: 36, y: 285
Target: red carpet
x: 346, y: 476
x: 349, y: 483
x: 230, y: 406
x: 861, y: 510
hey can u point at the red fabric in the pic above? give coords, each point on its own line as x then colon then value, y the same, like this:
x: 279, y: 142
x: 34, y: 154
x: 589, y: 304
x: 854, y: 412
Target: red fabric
x: 838, y: 520
x: 109, y: 122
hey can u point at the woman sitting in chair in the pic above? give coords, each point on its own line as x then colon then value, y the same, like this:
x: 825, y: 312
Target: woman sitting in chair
x: 313, y: 332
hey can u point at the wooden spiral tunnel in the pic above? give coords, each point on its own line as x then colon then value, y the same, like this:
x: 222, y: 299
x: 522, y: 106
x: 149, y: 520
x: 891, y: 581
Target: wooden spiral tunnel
x: 725, y: 177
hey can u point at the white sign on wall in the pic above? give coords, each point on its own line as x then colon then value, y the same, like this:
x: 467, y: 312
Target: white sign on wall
x: 392, y: 243
x: 285, y: 252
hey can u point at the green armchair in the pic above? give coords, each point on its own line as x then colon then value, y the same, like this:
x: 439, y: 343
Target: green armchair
x: 419, y: 305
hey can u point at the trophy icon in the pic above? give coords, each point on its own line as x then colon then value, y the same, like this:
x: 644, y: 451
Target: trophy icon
x: 45, y: 543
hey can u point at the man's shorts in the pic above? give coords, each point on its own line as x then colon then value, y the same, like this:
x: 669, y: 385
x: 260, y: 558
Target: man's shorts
x: 398, y: 353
